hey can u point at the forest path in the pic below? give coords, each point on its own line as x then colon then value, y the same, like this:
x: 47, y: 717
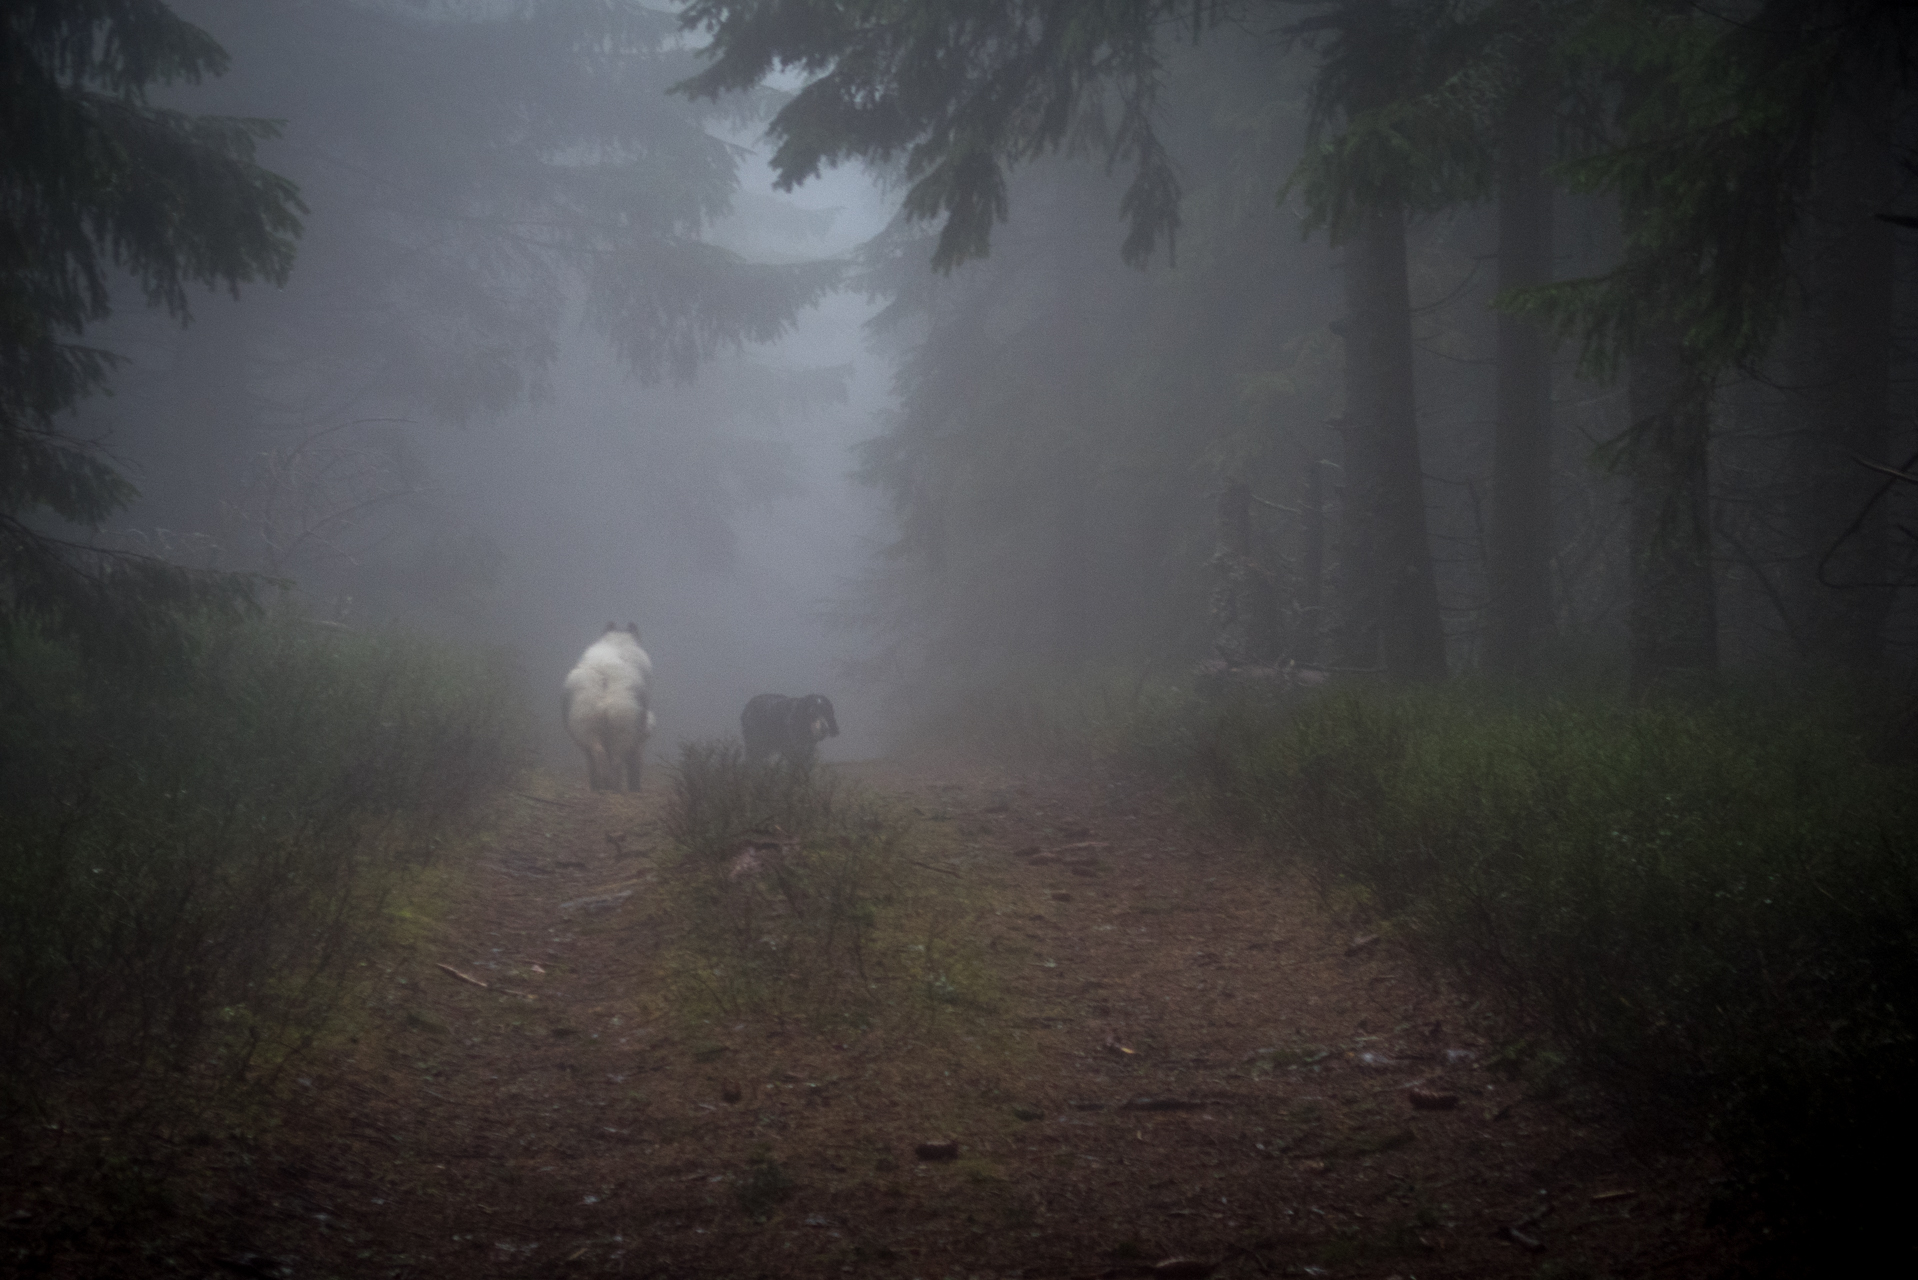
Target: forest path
x: 1185, y: 1059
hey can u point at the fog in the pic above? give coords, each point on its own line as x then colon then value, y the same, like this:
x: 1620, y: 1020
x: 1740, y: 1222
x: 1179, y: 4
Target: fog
x: 462, y: 449
x: 1417, y: 499
x: 556, y: 352
x: 732, y: 586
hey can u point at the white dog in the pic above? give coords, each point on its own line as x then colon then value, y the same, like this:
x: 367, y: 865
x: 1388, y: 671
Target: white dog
x: 607, y: 708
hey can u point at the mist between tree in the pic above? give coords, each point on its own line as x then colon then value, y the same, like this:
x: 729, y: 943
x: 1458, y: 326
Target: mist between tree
x: 476, y: 403
x: 1205, y: 356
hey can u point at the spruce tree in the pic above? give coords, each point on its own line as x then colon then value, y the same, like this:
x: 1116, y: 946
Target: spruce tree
x: 95, y: 180
x: 1710, y: 148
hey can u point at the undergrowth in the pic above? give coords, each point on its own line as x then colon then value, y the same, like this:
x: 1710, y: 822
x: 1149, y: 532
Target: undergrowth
x: 802, y: 897
x: 199, y: 849
x: 1713, y: 907
x: 1709, y: 906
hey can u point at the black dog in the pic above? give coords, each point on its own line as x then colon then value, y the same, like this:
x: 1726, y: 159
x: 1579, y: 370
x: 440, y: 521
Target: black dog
x: 791, y: 726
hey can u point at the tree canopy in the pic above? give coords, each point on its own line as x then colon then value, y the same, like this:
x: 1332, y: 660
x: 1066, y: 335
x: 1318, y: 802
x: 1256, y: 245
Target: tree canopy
x: 477, y: 182
x: 96, y: 179
x: 1705, y: 127
x: 956, y: 94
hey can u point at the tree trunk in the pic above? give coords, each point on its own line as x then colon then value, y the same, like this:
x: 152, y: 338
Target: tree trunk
x: 1851, y: 275
x: 1382, y: 438
x: 1674, y: 608
x: 1071, y: 560
x: 1241, y: 613
x: 1355, y: 636
x: 1521, y: 527
x: 1311, y: 610
x: 1074, y: 417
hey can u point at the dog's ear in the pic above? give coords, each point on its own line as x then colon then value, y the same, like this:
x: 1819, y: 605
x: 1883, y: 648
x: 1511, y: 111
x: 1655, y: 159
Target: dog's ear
x: 634, y: 628
x: 612, y: 626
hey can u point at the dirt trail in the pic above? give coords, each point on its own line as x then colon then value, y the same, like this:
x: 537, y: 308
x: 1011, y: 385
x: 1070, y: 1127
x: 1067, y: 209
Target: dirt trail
x: 1190, y: 1061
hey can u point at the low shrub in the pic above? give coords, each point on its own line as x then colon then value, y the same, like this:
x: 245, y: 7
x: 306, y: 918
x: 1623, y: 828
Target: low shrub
x: 197, y: 850
x: 1711, y: 905
x: 800, y: 897
x: 720, y: 798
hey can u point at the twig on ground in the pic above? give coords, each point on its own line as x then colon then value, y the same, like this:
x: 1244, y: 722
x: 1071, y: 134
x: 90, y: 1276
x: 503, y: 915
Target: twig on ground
x: 466, y: 977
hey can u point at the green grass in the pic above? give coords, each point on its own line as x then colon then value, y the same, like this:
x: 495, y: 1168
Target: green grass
x: 198, y: 851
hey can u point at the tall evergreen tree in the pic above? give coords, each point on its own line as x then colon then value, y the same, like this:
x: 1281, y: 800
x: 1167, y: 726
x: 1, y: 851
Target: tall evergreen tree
x: 96, y: 180
x: 1521, y: 538
x: 1460, y: 104
x: 957, y: 95
x: 1405, y: 142
x: 486, y: 182
x: 1666, y: 455
x: 1710, y: 153
x: 1064, y: 424
x: 1844, y: 378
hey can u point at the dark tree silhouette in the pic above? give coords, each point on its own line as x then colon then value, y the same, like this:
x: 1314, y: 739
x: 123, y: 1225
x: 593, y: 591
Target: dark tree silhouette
x: 94, y: 180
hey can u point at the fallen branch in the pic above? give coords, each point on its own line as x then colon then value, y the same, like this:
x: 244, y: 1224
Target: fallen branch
x: 1897, y: 473
x: 466, y: 977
